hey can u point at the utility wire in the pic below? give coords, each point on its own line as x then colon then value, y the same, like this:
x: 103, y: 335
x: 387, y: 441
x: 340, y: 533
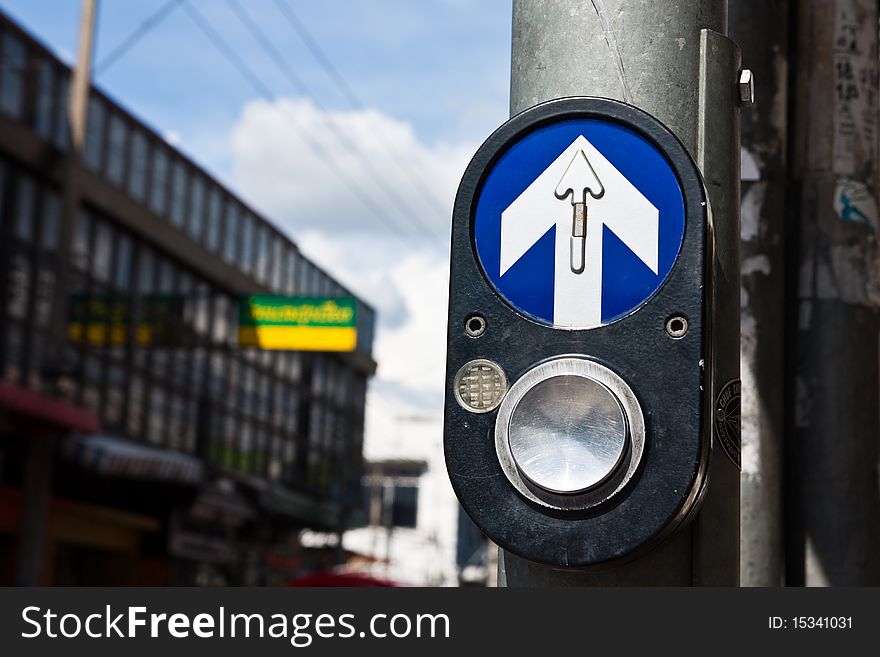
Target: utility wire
x: 402, y: 206
x: 226, y: 50
x: 136, y: 35
x: 348, y: 93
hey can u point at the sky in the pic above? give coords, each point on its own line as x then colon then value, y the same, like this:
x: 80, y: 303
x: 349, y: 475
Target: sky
x: 364, y: 185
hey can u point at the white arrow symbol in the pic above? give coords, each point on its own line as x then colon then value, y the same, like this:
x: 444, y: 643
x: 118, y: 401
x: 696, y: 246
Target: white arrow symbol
x: 615, y: 202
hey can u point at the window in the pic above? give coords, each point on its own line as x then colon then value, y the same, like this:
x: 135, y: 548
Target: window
x: 116, y: 149
x: 178, y: 192
x: 44, y: 102
x: 215, y: 212
x: 19, y: 285
x: 158, y: 200
x: 135, y: 405
x: 51, y: 221
x: 230, y: 239
x: 94, y: 134
x: 247, y: 242
x: 262, y: 253
x: 146, y: 283
x: 395, y: 497
x: 307, y: 278
x: 24, y: 209
x: 80, y: 247
x: 62, y: 127
x: 277, y: 264
x: 156, y: 415
x: 196, y: 206
x: 137, y: 173
x: 14, y: 57
x: 102, y: 252
x: 290, y: 277
x: 122, y: 273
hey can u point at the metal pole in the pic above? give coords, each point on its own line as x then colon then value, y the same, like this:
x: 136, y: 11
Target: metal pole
x: 760, y: 27
x: 833, y: 498
x: 671, y: 59
x: 78, y: 104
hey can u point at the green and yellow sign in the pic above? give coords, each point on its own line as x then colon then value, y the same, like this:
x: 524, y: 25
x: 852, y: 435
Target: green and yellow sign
x: 298, y: 323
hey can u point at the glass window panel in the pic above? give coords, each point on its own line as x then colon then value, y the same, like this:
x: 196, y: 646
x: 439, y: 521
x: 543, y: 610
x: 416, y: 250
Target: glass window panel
x: 404, y: 507
x: 24, y: 208
x: 247, y: 242
x: 277, y: 264
x: 12, y: 78
x: 137, y: 173
x: 156, y: 415
x: 262, y: 252
x: 159, y: 181
x: 196, y: 206
x: 51, y: 220
x: 184, y: 282
x: 19, y: 284
x: 62, y: 127
x: 116, y: 149
x: 202, y: 311
x: 221, y: 312
x: 306, y: 278
x: 94, y: 134
x: 290, y: 276
x: 215, y: 210
x: 135, y: 405
x: 146, y: 264
x: 178, y: 192
x: 166, y: 276
x: 44, y: 101
x: 80, y: 248
x: 122, y: 275
x: 230, y: 239
x: 44, y: 296
x: 102, y: 257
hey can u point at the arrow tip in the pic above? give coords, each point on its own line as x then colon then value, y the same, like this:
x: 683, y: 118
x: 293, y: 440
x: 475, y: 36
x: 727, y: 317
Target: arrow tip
x: 579, y: 179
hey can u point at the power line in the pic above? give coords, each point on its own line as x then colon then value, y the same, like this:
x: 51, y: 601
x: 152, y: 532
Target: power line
x: 275, y: 55
x: 346, y: 90
x: 136, y: 35
x: 226, y: 50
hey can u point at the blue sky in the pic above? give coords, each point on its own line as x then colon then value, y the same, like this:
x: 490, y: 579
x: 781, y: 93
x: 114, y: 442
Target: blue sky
x: 440, y: 65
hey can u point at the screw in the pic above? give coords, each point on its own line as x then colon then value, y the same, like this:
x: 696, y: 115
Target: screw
x: 746, y: 87
x: 676, y: 326
x: 475, y: 325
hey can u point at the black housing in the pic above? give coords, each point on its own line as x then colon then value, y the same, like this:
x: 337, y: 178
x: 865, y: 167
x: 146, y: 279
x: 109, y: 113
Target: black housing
x: 669, y: 376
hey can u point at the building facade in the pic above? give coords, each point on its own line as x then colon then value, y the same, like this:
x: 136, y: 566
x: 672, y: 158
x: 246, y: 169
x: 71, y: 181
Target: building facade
x: 138, y: 443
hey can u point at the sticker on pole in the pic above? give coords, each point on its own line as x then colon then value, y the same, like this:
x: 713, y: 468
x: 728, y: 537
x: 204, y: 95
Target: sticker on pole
x: 579, y: 222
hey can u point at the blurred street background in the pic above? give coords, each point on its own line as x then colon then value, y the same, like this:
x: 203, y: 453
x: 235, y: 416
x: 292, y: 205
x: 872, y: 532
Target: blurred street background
x: 233, y: 148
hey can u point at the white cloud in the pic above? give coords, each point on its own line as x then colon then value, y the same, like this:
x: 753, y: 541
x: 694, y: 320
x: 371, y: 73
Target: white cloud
x: 407, y: 285
x: 277, y: 151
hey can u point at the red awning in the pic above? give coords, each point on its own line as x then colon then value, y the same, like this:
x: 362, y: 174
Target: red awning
x: 48, y: 410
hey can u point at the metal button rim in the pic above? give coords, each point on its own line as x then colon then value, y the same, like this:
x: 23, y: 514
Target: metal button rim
x: 578, y: 366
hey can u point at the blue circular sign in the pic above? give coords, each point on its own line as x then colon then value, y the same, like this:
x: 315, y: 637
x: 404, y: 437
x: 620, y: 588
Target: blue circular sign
x: 579, y: 222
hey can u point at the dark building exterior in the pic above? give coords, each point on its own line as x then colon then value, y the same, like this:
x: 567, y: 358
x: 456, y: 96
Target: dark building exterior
x: 145, y: 446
